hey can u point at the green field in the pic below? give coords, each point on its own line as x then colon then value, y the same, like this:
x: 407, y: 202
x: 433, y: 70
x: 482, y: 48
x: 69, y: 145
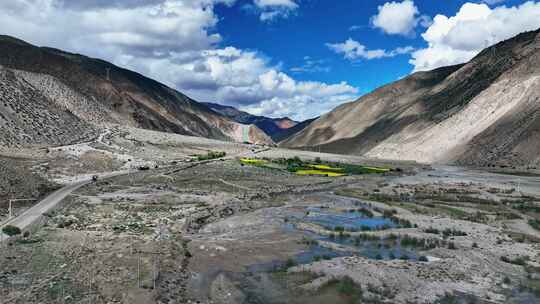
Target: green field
x: 299, y: 167
x: 253, y: 161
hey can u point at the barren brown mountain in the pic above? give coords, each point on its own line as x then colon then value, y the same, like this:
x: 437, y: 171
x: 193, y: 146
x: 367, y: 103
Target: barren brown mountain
x: 484, y: 112
x: 50, y: 96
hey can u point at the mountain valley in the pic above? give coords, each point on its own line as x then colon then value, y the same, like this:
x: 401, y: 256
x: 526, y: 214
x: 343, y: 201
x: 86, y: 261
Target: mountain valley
x: 115, y: 188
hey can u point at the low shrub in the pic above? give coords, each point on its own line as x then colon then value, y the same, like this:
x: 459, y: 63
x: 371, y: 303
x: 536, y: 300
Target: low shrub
x: 339, y: 229
x: 365, y: 228
x: 535, y: 224
x: 431, y: 230
x: 366, y: 212
x: 11, y: 230
x: 211, y: 155
x: 347, y: 287
x: 453, y: 232
x: 423, y: 259
x: 522, y: 261
x: 290, y: 263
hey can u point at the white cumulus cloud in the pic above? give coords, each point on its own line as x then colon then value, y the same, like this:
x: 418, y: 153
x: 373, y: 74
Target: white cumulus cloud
x: 352, y: 50
x: 311, y: 65
x: 399, y: 18
x: 273, y: 9
x: 457, y: 39
x: 276, y: 3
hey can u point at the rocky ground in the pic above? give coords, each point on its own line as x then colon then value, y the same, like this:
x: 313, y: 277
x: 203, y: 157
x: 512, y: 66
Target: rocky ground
x: 221, y: 232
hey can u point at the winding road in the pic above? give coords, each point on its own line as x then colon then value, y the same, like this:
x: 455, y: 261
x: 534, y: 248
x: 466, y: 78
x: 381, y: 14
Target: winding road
x: 26, y: 219
x: 30, y: 216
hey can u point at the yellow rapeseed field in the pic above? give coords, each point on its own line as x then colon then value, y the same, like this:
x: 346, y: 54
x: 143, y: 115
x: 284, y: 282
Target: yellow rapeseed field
x: 319, y: 172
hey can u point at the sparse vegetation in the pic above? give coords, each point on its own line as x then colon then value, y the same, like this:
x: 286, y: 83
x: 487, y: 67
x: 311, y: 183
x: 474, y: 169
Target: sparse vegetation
x: 290, y: 263
x: 309, y: 241
x: 521, y: 261
x: 404, y: 257
x: 211, y: 155
x: 454, y: 299
x: 535, y: 223
x: 431, y: 230
x: 524, y: 206
x: 339, y: 228
x: 453, y: 232
x: 366, y: 212
x: 346, y: 287
x: 297, y: 166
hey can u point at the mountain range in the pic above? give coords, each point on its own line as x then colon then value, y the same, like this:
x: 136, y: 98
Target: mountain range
x: 277, y: 128
x: 52, y: 97
x: 484, y: 113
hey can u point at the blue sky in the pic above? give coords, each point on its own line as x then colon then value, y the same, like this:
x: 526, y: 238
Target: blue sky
x: 287, y: 41
x: 296, y: 58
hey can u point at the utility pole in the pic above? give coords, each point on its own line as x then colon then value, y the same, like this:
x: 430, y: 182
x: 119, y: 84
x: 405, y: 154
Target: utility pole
x: 11, y: 201
x: 90, y: 287
x: 139, y: 270
x: 154, y: 274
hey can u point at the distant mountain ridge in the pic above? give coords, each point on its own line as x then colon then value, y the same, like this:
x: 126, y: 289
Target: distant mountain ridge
x: 48, y: 96
x: 277, y: 128
x: 485, y: 112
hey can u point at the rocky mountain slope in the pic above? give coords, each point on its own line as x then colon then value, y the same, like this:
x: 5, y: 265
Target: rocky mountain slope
x: 484, y: 112
x: 286, y: 133
x: 277, y: 128
x: 50, y: 97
